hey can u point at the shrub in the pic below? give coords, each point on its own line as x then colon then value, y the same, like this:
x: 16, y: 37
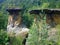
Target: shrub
x: 4, y: 40
x: 15, y: 41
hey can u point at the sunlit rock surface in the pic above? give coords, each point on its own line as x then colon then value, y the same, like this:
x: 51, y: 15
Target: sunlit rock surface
x: 52, y: 34
x: 17, y: 31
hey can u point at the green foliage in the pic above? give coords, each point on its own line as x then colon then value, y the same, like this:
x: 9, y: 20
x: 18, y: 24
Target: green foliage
x: 3, y: 20
x: 16, y: 40
x: 45, y: 5
x: 3, y: 38
x: 26, y: 5
x: 33, y: 38
x: 38, y: 33
x: 28, y: 20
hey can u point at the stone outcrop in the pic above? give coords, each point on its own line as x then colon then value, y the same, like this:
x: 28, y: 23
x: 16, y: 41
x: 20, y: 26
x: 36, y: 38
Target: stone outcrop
x: 15, y: 28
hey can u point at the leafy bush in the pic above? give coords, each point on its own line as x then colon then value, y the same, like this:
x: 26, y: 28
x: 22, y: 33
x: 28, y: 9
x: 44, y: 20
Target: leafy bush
x: 4, y: 40
x: 38, y: 33
x: 41, y: 37
x: 16, y: 40
x: 27, y: 19
x: 33, y: 35
x: 3, y: 20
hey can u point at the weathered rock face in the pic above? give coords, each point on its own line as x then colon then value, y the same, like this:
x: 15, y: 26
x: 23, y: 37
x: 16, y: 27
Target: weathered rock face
x: 15, y: 28
x: 53, y: 20
x: 14, y: 20
x: 17, y: 31
x: 15, y: 25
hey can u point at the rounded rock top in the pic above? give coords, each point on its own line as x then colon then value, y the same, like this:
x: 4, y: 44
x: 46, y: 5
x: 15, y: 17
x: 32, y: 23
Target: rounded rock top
x: 14, y: 9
